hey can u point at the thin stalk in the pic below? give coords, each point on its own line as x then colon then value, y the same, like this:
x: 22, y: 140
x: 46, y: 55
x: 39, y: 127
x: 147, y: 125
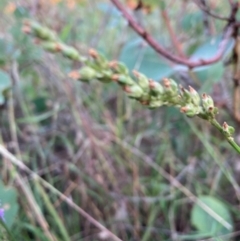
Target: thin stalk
x: 47, y: 203
x: 10, y: 157
x: 230, y: 139
x: 25, y: 188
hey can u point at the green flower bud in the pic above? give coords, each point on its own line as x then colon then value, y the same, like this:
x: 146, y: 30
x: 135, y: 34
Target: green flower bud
x: 170, y: 85
x: 156, y: 88
x: 70, y: 52
x: 123, y: 80
x: 229, y: 130
x: 99, y: 59
x: 50, y: 46
x: 46, y: 34
x: 133, y: 91
x: 118, y: 68
x: 195, y: 98
x: 41, y: 32
x: 207, y: 103
x: 106, y: 76
x: 186, y: 95
x: 142, y: 80
x: 144, y: 99
x: 85, y: 74
x: 190, y: 110
x: 155, y: 104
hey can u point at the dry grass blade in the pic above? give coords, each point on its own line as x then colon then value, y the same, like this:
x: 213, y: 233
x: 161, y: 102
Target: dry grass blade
x: 4, y: 152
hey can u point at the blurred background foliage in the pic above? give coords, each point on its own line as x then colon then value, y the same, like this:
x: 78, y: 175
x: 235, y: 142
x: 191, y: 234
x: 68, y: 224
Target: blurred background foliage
x: 93, y: 144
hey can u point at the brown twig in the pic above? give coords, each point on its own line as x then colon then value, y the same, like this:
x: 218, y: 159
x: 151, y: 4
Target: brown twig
x: 173, y: 37
x: 208, y: 26
x: 236, y: 68
x: 14, y: 160
x: 206, y: 10
x: 162, y: 51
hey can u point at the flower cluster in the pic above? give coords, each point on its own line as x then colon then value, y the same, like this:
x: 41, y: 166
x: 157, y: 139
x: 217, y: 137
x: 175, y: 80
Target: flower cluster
x: 137, y: 86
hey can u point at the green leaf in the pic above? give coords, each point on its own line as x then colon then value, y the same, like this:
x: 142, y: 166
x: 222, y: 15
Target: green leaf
x: 21, y: 12
x: 5, y: 234
x: 6, y: 50
x: 210, y: 74
x: 155, y: 3
x: 205, y: 223
x: 137, y: 55
x: 8, y: 199
x: 192, y: 22
x: 5, y: 84
x: 210, y: 48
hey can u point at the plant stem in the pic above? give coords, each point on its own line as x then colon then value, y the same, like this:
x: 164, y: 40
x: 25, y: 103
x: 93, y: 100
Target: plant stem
x: 229, y: 138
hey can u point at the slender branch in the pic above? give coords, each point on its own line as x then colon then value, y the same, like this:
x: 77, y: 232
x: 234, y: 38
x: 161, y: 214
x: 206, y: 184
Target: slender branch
x: 9, y: 156
x: 206, y: 10
x: 236, y: 78
x: 229, y: 138
x: 173, y: 37
x: 236, y: 63
x: 164, y: 52
x: 206, y: 20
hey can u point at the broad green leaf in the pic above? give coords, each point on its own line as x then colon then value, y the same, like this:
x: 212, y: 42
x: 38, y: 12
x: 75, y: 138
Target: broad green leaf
x: 205, y: 223
x: 5, y: 234
x: 192, y: 22
x: 6, y: 50
x: 137, y: 55
x: 21, y: 12
x: 115, y: 15
x: 5, y: 84
x: 8, y: 199
x: 210, y: 74
x: 155, y: 3
x: 210, y: 48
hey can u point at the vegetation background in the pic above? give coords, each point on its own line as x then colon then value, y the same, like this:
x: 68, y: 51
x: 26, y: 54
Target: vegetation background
x: 140, y: 173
